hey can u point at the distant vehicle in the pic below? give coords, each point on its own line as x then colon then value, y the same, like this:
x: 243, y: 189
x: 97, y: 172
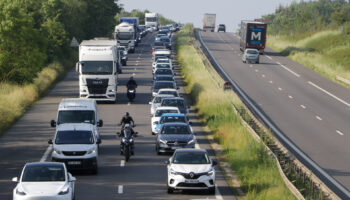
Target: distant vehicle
x: 151, y: 19
x: 250, y: 55
x: 157, y: 85
x: 191, y: 169
x: 222, y: 28
x: 125, y: 34
x: 157, y: 100
x: 163, y: 60
x: 123, y: 54
x: 77, y: 146
x: 166, y: 41
x: 135, y: 22
x: 162, y: 66
x: 44, y: 180
x: 75, y: 110
x: 97, y: 68
x: 174, y: 136
x: 209, y: 22
x: 163, y: 72
x: 168, y: 91
x: 164, y: 78
x: 161, y: 53
x: 160, y: 111
x: 176, y: 102
x: 253, y: 35
x: 171, y: 118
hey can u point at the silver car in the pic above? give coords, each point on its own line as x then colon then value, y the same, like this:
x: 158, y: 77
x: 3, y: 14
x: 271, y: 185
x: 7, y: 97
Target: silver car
x: 250, y: 56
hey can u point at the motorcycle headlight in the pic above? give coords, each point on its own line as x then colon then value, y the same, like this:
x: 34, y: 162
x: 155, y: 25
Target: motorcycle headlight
x: 131, y: 140
x: 20, y: 191
x: 91, y: 151
x: 211, y: 172
x: 123, y: 140
x: 57, y: 151
x: 65, y: 190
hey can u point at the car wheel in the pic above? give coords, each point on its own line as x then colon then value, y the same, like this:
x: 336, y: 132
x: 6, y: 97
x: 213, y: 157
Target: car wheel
x: 211, y: 190
x: 170, y: 190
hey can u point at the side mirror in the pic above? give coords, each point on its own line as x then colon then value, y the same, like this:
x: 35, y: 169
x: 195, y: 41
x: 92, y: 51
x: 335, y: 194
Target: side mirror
x: 190, y: 123
x: 50, y: 141
x: 99, y: 141
x: 77, y: 67
x: 150, y: 102
x: 214, y: 162
x: 15, y: 179
x: 53, y: 123
x: 71, y: 178
x: 167, y: 162
x: 100, y: 123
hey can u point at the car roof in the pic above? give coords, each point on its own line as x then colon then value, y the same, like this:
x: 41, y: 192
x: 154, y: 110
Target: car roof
x: 45, y: 164
x: 176, y: 98
x: 168, y: 89
x: 191, y: 150
x: 77, y: 104
x: 251, y: 49
x: 75, y: 126
x: 175, y: 123
x: 163, y: 82
x: 163, y: 95
x: 173, y: 115
x: 167, y: 108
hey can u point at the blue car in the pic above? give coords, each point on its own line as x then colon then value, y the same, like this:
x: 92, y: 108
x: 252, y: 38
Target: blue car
x: 171, y: 118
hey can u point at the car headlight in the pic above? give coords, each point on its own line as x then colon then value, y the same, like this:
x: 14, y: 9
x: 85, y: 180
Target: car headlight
x: 20, y: 191
x: 57, y: 151
x: 91, y: 151
x: 211, y: 172
x: 191, y: 141
x: 65, y: 190
x: 173, y: 172
x: 162, y: 141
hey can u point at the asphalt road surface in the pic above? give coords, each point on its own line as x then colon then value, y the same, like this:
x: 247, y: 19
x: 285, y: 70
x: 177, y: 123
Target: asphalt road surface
x: 311, y: 110
x: 143, y: 177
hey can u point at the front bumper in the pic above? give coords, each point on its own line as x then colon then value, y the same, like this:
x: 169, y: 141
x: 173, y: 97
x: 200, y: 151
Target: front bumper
x: 165, y: 148
x: 179, y: 182
x: 109, y: 95
x: 42, y: 197
x: 78, y: 164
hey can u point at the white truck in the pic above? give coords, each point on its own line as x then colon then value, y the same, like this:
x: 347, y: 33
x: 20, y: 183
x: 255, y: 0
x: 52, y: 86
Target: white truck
x: 151, y: 19
x: 98, y: 68
x: 209, y: 22
x: 125, y: 35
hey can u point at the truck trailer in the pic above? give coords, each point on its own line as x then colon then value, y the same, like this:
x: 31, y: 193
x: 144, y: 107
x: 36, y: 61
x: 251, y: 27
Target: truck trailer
x: 125, y: 35
x: 253, y: 35
x: 209, y: 22
x: 151, y: 20
x: 135, y: 22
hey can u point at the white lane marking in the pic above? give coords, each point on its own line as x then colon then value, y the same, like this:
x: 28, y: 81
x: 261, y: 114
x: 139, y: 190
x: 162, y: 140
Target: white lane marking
x: 319, y: 118
x: 269, y: 57
x: 256, y: 70
x: 217, y: 193
x: 304, y: 107
x: 263, y: 75
x: 120, y: 189
x: 250, y: 65
x: 291, y: 97
x: 330, y: 94
x: 137, y: 64
x: 271, y: 82
x: 286, y: 68
x: 135, y: 69
x: 280, y: 89
x: 122, y: 163
x: 196, y: 146
x: 137, y: 61
x: 46, y: 154
x: 340, y: 133
x: 129, y: 103
x: 133, y: 74
x: 138, y: 57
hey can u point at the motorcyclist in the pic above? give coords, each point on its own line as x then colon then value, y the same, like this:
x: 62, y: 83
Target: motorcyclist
x: 127, y: 119
x: 131, y: 83
x: 127, y: 127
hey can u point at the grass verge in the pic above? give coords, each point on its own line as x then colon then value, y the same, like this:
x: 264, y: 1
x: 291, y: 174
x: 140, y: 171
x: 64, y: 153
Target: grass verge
x: 326, y: 52
x: 16, y: 99
x: 258, y: 173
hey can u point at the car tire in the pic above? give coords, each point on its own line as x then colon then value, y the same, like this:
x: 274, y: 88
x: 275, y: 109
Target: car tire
x: 170, y: 190
x: 153, y: 133
x: 211, y: 190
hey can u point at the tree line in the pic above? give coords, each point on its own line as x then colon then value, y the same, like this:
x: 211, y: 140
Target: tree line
x: 310, y: 16
x: 33, y: 33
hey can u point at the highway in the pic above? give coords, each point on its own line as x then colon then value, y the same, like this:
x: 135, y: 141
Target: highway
x: 143, y: 177
x: 312, y: 111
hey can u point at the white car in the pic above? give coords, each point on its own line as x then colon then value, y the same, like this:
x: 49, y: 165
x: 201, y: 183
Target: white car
x: 44, y: 180
x: 191, y: 169
x: 77, y: 146
x: 159, y: 112
x: 157, y: 100
x: 168, y: 91
x: 162, y: 66
x: 162, y: 60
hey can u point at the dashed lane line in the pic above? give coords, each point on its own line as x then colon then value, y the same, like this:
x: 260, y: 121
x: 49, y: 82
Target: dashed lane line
x: 291, y: 71
x: 122, y: 163
x: 340, y: 133
x: 330, y: 94
x: 269, y: 57
x: 319, y: 118
x: 291, y: 97
x: 120, y: 189
x: 46, y: 154
x: 304, y: 107
x: 280, y: 89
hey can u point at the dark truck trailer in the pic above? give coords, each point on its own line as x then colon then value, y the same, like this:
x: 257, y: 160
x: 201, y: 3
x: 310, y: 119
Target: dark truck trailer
x: 253, y: 35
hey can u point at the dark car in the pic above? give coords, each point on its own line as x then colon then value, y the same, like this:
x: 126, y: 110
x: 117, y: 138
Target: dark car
x: 174, y: 136
x: 157, y: 85
x: 164, y: 78
x: 176, y: 102
x: 222, y: 27
x: 166, y: 41
x: 163, y: 72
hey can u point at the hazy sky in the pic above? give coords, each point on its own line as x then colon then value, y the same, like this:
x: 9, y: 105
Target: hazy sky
x: 229, y: 12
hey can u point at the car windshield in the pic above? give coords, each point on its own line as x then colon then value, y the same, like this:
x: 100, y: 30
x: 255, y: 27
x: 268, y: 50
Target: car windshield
x: 167, y: 66
x: 163, y: 61
x: 252, y: 52
x: 74, y: 137
x: 163, y: 84
x: 125, y: 35
x: 169, y: 119
x: 173, y: 102
x: 76, y: 116
x: 190, y: 158
x: 151, y: 19
x: 97, y: 67
x: 164, y: 72
x: 174, y: 93
x: 164, y: 39
x: 162, y: 55
x: 161, y: 112
x: 158, y: 44
x: 165, y: 78
x: 43, y: 173
x: 176, y: 130
x: 158, y: 99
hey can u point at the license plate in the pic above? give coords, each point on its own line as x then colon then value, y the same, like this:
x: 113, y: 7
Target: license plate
x: 191, y: 181
x: 74, y: 163
x: 173, y: 148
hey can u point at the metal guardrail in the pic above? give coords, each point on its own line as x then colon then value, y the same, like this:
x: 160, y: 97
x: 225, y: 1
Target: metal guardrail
x: 334, y: 185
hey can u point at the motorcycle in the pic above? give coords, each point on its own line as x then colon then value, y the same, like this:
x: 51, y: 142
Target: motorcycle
x: 131, y: 93
x: 127, y: 144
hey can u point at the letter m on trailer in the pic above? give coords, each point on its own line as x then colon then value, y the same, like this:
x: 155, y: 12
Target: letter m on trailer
x: 256, y: 36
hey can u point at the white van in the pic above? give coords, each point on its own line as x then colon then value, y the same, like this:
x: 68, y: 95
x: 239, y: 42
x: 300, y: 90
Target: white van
x: 76, y: 145
x: 75, y: 110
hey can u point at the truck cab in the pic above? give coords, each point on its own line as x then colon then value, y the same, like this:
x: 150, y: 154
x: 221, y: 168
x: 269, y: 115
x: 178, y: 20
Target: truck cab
x: 125, y: 34
x: 98, y: 68
x: 151, y: 20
